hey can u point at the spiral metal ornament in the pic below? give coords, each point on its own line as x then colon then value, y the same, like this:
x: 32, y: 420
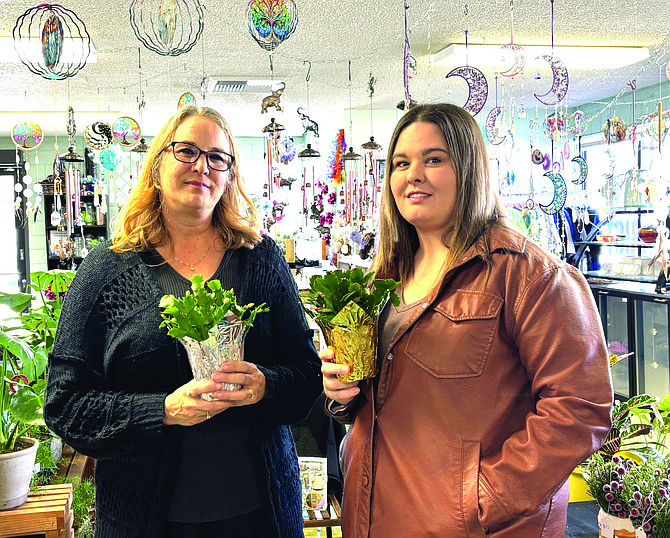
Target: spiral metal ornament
x: 52, y: 41
x: 168, y: 27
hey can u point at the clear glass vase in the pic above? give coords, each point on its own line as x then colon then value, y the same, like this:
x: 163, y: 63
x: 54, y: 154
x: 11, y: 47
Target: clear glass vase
x: 225, y: 343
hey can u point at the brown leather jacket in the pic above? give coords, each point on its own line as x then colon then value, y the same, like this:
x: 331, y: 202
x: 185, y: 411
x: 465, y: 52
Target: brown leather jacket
x: 489, y: 396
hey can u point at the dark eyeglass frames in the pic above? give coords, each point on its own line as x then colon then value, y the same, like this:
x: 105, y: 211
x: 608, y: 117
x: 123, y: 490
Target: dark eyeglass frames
x: 189, y: 153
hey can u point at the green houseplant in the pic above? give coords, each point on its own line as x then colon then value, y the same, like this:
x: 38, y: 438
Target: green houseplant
x: 346, y: 305
x: 25, y: 341
x: 210, y: 324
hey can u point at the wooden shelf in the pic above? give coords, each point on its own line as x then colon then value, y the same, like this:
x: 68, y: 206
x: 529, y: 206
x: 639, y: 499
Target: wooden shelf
x: 47, y: 511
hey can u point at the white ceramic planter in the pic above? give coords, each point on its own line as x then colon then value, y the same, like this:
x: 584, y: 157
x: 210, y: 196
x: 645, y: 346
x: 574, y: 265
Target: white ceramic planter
x: 16, y: 470
x: 610, y: 526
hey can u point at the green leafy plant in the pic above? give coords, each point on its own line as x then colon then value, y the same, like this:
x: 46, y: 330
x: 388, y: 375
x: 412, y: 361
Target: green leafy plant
x: 201, y: 309
x: 330, y: 293
x: 25, y: 342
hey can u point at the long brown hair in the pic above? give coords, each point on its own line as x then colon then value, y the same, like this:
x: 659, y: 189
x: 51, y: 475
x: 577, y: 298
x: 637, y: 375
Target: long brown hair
x: 477, y: 205
x: 140, y: 222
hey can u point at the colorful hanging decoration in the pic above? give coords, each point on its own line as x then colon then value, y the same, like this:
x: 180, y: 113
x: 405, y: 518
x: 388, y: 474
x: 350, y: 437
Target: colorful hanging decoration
x: 491, y: 129
x: 478, y: 88
x: 52, y: 41
x: 614, y: 130
x: 554, y: 127
x: 186, y: 99
x: 27, y: 135
x: 583, y: 170
x: 98, y: 135
x: 271, y: 22
x: 517, y: 51
x: 560, y: 194
x: 335, y: 162
x: 167, y: 27
x: 560, y: 82
x: 126, y: 131
x: 287, y: 151
x: 110, y: 159
x: 577, y: 123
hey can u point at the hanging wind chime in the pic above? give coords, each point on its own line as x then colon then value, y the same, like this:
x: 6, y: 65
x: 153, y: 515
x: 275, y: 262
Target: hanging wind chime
x: 373, y: 154
x: 349, y: 193
x: 308, y: 155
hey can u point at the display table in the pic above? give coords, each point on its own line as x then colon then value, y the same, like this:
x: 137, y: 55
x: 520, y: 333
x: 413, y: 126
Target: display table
x: 47, y: 512
x: 582, y: 520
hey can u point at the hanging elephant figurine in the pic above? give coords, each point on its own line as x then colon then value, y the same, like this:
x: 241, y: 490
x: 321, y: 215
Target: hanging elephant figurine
x: 308, y: 124
x: 273, y: 99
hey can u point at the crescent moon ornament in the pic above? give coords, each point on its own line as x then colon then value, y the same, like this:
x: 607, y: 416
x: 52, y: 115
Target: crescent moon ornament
x: 478, y: 88
x: 583, y: 170
x: 559, y: 86
x: 519, y: 59
x: 491, y: 129
x: 560, y: 194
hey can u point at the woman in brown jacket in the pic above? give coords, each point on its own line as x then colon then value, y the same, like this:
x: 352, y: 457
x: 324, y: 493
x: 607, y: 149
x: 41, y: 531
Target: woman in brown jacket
x: 494, y: 381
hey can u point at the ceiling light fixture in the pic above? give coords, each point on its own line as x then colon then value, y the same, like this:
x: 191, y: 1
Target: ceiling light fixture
x: 241, y: 85
x: 575, y: 57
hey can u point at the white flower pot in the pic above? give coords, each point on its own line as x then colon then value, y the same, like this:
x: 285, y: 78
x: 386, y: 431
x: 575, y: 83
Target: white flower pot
x: 16, y: 470
x: 610, y: 526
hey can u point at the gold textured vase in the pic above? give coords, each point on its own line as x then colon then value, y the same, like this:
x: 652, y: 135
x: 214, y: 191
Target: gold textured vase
x: 353, y: 337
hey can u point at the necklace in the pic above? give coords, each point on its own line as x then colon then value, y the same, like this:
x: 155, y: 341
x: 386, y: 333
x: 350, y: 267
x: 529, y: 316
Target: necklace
x: 191, y: 266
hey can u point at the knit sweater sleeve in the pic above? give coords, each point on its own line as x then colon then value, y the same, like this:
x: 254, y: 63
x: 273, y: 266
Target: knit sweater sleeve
x: 282, y: 346
x: 92, y: 400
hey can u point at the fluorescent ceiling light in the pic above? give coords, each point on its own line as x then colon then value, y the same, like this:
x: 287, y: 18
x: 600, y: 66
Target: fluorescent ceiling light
x: 454, y: 55
x: 241, y: 85
x: 72, y: 50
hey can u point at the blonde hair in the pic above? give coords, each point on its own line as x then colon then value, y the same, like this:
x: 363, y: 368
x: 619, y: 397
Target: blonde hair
x: 477, y: 205
x: 140, y: 222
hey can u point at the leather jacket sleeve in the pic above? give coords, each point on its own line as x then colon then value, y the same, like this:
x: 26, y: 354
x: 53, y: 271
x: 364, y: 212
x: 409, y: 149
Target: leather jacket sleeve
x: 555, y: 325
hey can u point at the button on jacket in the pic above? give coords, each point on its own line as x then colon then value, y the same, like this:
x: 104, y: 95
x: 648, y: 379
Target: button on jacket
x: 494, y: 391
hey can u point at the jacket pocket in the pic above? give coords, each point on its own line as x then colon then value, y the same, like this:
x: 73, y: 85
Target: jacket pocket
x: 454, y: 338
x: 470, y: 458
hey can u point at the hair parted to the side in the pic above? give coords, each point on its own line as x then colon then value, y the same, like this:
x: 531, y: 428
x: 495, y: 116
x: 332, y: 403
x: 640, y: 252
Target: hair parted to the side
x: 477, y: 205
x: 140, y: 221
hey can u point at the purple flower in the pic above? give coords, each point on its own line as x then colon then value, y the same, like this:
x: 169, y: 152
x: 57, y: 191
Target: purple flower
x: 634, y: 512
x: 52, y: 295
x: 331, y: 198
x: 329, y: 217
x: 609, y: 497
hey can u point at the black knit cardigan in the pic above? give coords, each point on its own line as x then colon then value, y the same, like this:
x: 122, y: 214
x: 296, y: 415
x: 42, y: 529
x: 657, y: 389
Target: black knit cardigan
x: 112, y: 367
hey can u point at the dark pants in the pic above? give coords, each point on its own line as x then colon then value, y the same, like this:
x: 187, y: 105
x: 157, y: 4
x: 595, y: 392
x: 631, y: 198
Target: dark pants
x: 257, y: 524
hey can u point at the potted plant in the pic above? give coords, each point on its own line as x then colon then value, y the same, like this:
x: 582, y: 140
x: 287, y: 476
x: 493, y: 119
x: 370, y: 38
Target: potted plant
x: 346, y: 305
x: 25, y: 342
x: 210, y: 324
x: 631, y: 495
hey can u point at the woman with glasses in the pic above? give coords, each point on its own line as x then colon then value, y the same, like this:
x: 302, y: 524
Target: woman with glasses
x: 121, y: 390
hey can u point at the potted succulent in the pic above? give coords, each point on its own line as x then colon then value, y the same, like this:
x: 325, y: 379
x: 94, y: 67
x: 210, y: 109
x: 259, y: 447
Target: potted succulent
x: 210, y: 324
x: 25, y: 342
x: 346, y: 305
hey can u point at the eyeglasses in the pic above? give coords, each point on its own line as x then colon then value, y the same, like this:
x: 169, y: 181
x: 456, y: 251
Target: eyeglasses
x: 189, y: 153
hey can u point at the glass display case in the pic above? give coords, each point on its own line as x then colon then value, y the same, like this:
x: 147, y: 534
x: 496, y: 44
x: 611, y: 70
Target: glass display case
x: 614, y: 308
x: 652, y: 345
x: 635, y: 319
